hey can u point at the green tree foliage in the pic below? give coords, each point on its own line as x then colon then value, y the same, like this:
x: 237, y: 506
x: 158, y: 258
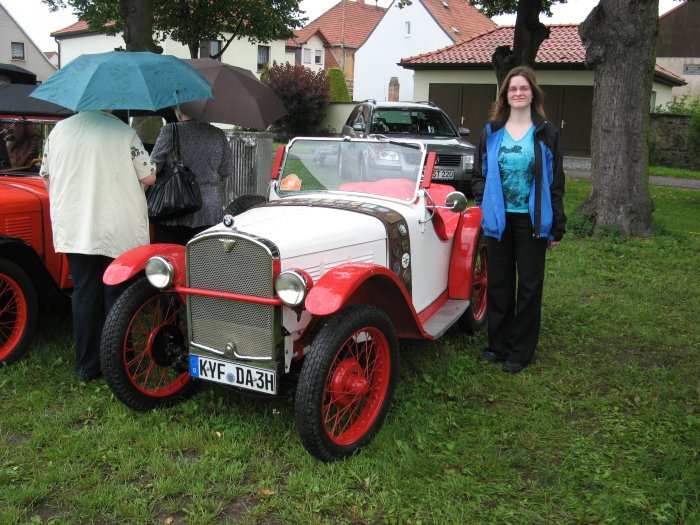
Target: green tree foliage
x: 189, y: 21
x: 304, y: 93
x: 338, y: 86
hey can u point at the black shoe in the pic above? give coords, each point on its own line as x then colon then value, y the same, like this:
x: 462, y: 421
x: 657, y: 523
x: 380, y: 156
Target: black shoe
x: 512, y: 367
x: 84, y: 378
x: 491, y: 357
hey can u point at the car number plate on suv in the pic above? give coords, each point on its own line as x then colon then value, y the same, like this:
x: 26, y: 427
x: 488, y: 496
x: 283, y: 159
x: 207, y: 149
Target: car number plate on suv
x: 234, y: 374
x: 443, y: 174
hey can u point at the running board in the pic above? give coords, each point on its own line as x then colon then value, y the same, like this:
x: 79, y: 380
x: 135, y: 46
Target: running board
x: 445, y: 317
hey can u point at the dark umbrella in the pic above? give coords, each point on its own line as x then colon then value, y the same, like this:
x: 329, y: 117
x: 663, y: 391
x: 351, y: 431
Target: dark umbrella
x: 238, y: 97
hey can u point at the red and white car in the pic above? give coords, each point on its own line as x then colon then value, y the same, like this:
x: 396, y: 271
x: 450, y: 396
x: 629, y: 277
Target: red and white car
x: 307, y: 290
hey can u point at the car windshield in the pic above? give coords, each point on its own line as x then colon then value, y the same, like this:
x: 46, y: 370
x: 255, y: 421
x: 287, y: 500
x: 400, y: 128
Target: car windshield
x: 411, y: 121
x: 21, y: 143
x: 374, y: 167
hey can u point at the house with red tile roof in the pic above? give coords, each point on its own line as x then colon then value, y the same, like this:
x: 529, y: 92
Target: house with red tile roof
x: 423, y: 26
x: 678, y: 45
x: 332, y: 39
x: 460, y: 79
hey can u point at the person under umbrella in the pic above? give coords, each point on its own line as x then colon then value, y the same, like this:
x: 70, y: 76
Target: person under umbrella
x: 94, y: 166
x: 205, y: 150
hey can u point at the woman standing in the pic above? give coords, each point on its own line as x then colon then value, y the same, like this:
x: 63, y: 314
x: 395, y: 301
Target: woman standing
x: 519, y: 183
x: 206, y: 152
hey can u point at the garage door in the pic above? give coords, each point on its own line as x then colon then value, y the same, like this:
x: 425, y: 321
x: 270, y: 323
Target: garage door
x: 467, y: 105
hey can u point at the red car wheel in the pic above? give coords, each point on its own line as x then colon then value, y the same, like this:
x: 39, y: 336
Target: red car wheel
x: 144, y: 351
x: 18, y: 311
x: 474, y: 318
x: 346, y: 383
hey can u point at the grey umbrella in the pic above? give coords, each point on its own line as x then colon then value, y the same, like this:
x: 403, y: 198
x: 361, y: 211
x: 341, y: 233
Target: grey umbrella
x: 238, y: 97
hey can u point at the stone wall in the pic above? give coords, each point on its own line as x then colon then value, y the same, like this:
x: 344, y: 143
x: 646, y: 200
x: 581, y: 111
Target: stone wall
x: 669, y: 144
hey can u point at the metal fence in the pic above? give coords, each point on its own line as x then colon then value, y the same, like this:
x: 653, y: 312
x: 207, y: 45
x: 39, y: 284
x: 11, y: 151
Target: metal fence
x: 253, y: 155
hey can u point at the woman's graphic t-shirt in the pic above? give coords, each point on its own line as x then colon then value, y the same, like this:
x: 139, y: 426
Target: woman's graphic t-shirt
x: 516, y: 161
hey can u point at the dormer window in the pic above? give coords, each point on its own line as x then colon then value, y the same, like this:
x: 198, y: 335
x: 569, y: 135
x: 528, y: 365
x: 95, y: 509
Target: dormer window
x: 455, y: 30
x: 447, y: 6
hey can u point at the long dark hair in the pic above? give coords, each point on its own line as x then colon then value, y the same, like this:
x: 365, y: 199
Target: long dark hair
x: 500, y: 110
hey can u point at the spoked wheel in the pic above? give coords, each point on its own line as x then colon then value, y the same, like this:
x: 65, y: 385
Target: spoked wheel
x: 18, y: 311
x: 346, y: 383
x: 474, y: 318
x: 144, y: 348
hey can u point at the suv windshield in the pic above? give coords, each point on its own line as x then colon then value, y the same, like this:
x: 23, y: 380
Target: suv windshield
x: 379, y: 168
x: 411, y: 121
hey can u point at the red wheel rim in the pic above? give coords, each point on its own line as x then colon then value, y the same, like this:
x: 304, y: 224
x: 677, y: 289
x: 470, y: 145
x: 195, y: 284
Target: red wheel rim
x: 144, y: 361
x: 13, y: 315
x: 356, y: 386
x: 479, y: 282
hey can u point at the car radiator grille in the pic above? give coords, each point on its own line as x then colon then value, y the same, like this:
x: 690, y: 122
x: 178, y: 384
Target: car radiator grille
x: 448, y: 160
x: 242, y: 267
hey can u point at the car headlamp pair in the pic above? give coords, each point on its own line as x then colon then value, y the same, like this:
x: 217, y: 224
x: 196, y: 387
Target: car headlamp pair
x: 291, y: 286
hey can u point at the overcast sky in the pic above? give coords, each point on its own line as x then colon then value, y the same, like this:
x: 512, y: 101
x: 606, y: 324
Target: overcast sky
x: 38, y: 22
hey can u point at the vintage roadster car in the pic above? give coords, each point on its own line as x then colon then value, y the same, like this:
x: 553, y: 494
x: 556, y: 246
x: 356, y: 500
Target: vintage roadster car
x: 307, y: 291
x: 32, y: 274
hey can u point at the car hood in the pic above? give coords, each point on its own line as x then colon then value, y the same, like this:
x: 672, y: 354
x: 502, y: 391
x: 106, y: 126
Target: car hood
x: 303, y: 229
x: 447, y: 145
x: 22, y: 194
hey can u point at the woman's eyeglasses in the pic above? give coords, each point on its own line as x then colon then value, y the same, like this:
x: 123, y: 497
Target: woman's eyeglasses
x: 515, y: 89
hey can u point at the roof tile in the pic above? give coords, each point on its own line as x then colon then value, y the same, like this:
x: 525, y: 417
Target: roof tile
x: 346, y: 22
x: 460, y: 15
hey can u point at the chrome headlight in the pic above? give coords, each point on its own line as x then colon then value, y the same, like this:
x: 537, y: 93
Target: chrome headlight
x: 159, y: 272
x: 292, y: 287
x: 469, y: 161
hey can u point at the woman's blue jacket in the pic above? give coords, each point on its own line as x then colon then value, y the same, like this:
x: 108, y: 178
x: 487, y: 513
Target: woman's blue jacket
x: 546, y: 203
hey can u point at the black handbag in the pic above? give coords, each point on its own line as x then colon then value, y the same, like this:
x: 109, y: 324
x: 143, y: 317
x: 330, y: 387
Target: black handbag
x: 176, y: 191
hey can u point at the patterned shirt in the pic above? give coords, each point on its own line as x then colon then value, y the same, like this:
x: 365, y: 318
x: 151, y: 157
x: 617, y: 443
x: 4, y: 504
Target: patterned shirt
x: 516, y: 161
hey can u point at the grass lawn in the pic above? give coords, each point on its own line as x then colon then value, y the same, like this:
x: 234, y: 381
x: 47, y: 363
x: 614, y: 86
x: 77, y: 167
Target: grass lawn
x: 660, y: 171
x: 604, y: 426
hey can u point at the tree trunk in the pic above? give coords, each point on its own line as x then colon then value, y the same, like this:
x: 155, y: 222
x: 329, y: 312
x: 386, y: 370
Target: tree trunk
x: 620, y: 41
x: 138, y: 25
x: 529, y: 35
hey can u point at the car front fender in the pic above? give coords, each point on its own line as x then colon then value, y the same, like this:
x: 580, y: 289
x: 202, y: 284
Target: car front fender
x: 364, y: 283
x: 463, y: 253
x: 134, y: 261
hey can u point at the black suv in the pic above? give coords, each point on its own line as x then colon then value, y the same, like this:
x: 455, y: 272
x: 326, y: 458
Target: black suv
x: 419, y: 122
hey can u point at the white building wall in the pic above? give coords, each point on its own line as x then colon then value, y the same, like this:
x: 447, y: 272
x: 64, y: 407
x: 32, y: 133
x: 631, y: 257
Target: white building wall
x: 241, y: 53
x: 678, y: 66
x: 74, y: 46
x: 34, y: 60
x: 376, y: 60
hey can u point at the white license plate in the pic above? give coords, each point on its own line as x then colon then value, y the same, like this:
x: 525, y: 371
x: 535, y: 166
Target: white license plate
x: 234, y: 374
x: 443, y: 174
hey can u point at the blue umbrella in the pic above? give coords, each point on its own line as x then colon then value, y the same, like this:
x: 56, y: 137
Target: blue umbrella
x: 123, y: 80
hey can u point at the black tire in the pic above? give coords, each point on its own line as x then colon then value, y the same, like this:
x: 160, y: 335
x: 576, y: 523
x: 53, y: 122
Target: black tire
x: 144, y: 348
x: 362, y: 376
x: 474, y: 318
x: 18, y: 311
x: 243, y: 203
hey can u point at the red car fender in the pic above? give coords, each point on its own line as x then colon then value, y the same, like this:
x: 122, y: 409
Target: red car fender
x: 463, y: 252
x: 365, y: 283
x: 132, y: 262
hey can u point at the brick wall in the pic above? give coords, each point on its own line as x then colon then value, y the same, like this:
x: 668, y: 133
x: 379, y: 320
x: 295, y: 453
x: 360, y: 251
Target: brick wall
x: 668, y: 142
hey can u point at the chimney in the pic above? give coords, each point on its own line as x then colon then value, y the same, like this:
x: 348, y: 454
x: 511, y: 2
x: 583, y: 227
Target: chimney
x: 394, y: 89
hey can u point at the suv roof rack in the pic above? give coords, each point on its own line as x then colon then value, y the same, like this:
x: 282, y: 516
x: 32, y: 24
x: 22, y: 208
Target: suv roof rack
x: 428, y: 102
x: 370, y: 100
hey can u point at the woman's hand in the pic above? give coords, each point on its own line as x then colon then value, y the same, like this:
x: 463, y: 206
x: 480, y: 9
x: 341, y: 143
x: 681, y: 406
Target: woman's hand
x: 552, y: 244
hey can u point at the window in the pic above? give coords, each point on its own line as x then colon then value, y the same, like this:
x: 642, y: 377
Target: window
x: 318, y: 58
x: 17, y: 50
x: 209, y: 48
x: 263, y: 57
x: 407, y: 26
x: 307, y: 55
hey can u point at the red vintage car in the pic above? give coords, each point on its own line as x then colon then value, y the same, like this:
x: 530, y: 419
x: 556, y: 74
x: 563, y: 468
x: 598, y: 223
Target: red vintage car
x: 32, y: 274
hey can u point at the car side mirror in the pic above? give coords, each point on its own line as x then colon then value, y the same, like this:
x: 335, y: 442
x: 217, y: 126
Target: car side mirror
x: 456, y: 202
x: 463, y: 132
x: 358, y: 126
